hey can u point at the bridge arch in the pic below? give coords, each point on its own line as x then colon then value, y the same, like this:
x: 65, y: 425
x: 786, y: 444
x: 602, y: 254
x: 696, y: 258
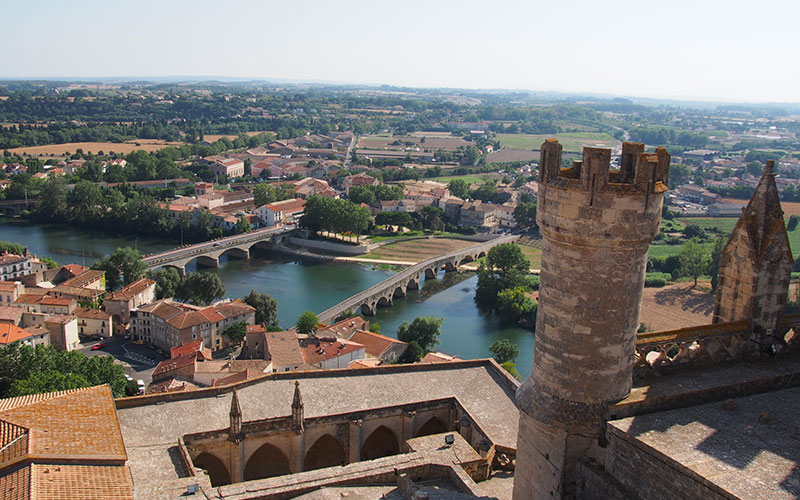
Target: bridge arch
x: 400, y: 291
x: 217, y: 472
x: 235, y: 252
x: 385, y: 301
x: 266, y: 461
x: 327, y: 451
x: 382, y: 442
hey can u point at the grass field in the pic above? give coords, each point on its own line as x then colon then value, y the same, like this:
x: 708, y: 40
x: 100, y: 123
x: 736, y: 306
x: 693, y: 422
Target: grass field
x: 725, y: 226
x: 572, y: 142
x: 469, y: 179
x: 418, y: 250
x: 69, y: 148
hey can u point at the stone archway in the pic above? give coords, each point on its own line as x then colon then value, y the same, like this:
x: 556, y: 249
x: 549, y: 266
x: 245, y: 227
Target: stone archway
x: 267, y: 461
x: 381, y: 443
x: 215, y: 468
x: 432, y: 426
x: 327, y: 451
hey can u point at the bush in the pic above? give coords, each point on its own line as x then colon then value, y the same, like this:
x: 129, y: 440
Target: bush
x: 793, y: 220
x: 654, y: 282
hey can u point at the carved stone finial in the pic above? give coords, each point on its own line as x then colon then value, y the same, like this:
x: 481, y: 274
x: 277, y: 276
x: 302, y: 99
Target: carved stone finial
x: 235, y: 430
x: 297, y: 410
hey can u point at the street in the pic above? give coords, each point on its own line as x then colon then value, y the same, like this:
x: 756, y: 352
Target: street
x: 138, y: 360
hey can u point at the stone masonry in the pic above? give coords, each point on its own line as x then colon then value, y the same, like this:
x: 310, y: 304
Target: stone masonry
x: 597, y: 225
x: 755, y: 267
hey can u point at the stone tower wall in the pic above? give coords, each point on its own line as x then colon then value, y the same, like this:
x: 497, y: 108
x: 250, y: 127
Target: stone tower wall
x: 597, y: 225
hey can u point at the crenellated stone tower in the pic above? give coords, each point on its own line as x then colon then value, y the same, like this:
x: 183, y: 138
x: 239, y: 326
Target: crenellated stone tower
x: 756, y: 265
x: 597, y: 225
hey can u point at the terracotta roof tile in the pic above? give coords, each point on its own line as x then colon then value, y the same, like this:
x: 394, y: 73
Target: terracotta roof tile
x: 59, y: 425
x: 283, y: 348
x: 135, y: 288
x: 375, y: 344
x: 16, y: 485
x: 12, y: 333
x: 87, y: 482
x: 171, y: 365
x: 327, y: 349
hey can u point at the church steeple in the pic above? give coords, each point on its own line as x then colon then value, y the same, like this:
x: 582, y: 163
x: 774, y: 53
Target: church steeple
x: 235, y: 430
x: 297, y: 410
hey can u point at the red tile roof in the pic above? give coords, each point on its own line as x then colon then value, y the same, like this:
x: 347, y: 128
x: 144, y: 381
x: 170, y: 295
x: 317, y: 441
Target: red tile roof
x: 192, y: 347
x: 130, y: 291
x: 327, y: 349
x: 375, y: 344
x: 12, y: 333
x: 174, y: 364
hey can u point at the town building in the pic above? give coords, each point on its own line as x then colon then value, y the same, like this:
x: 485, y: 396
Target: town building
x: 119, y: 304
x: 478, y: 214
x: 63, y: 332
x: 327, y: 353
x: 230, y: 167
x: 167, y: 324
x: 94, y: 322
x: 360, y: 179
x: 10, y: 291
x: 10, y: 333
x: 377, y: 346
x: 281, y: 212
x: 14, y: 266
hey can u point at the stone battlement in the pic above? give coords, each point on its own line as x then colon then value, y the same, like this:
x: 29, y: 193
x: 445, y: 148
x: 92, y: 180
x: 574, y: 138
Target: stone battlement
x: 590, y: 204
x: 639, y: 172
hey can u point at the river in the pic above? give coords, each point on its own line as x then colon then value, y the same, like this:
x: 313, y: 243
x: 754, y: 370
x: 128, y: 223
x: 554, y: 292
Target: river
x: 300, y: 287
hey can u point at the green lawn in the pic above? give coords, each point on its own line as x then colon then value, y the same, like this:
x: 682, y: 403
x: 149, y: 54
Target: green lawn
x: 724, y: 224
x: 376, y: 239
x: 572, y: 142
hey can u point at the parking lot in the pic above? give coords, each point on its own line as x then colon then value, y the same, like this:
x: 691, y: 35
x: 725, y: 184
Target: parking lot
x: 138, y: 360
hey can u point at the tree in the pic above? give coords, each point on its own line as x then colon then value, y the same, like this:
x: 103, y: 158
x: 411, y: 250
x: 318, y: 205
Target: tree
x: 509, y: 263
x: 50, y: 263
x: 713, y: 267
x: 375, y: 327
x: 424, y: 330
x: 459, y: 188
x: 242, y: 226
x: 693, y: 231
x: 413, y: 353
x: 26, y: 370
x: 393, y: 219
x: 266, y: 307
x: 514, y: 305
x: 694, y: 259
x: 432, y: 217
x: 168, y: 281
x: 201, y: 288
x: 793, y: 220
x: 525, y: 214
x: 236, y: 332
x: 307, y: 322
x: 124, y: 266
x: 362, y: 194
x: 502, y: 350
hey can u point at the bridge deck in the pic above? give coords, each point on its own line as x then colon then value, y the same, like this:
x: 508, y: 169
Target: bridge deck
x: 393, y: 282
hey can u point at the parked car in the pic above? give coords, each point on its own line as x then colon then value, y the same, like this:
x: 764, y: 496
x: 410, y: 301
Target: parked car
x: 141, y: 385
x: 98, y: 346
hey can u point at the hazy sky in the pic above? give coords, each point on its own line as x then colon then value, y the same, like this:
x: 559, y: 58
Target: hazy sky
x: 720, y: 50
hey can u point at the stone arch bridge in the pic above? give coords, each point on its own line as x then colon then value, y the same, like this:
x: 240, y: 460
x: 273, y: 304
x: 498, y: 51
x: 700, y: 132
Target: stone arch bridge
x: 208, y: 253
x: 382, y: 294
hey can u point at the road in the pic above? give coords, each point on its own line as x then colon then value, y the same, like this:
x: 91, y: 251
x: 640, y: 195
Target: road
x: 350, y: 149
x: 218, y: 244
x: 138, y: 360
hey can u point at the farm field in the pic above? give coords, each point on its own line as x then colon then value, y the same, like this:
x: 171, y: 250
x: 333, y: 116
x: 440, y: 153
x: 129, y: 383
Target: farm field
x: 469, y: 179
x: 216, y: 137
x: 418, y: 250
x: 380, y: 141
x: 509, y: 155
x: 572, y: 142
x: 725, y: 226
x: 676, y: 306
x: 68, y: 148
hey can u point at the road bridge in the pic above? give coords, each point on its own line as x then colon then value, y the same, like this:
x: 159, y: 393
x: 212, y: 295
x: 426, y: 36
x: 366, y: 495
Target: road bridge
x: 208, y: 253
x: 382, y: 294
